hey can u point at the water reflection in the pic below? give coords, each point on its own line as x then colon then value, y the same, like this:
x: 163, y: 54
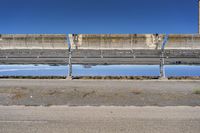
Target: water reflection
x: 98, y: 70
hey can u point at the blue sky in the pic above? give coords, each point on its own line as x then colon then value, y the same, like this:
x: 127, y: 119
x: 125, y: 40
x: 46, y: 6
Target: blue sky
x: 98, y: 16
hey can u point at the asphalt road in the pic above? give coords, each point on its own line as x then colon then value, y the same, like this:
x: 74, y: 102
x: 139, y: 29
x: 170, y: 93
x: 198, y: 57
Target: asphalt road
x: 99, y: 119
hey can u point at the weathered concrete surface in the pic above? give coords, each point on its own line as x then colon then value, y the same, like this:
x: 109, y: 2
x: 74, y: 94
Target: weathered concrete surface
x: 33, y: 41
x: 183, y: 41
x: 99, y: 92
x: 118, y: 41
x: 136, y: 41
x: 99, y: 119
x: 99, y: 41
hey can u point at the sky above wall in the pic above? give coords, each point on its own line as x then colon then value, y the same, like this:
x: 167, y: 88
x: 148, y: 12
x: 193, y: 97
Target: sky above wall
x: 98, y: 16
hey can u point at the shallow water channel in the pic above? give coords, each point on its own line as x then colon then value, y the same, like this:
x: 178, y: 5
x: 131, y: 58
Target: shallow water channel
x: 99, y: 70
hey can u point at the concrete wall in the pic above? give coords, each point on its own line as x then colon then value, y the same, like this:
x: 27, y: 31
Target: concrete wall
x: 99, y: 41
x: 118, y: 41
x: 183, y: 41
x: 136, y: 41
x: 33, y: 41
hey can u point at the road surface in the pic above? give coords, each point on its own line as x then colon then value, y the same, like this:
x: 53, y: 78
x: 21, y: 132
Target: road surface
x: 62, y: 119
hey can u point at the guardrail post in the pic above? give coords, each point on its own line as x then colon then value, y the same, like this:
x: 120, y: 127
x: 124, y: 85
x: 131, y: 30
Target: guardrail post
x: 162, y: 58
x: 162, y: 63
x: 69, y: 76
x: 70, y: 65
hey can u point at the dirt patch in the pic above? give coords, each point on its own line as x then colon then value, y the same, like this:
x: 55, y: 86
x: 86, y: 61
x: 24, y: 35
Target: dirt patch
x: 51, y: 93
x: 99, y: 93
x: 136, y: 91
x: 89, y: 93
x: 15, y: 93
x: 12, y: 90
x: 18, y: 95
x: 196, y: 91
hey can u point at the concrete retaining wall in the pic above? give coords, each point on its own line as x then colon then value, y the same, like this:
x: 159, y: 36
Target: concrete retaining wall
x: 135, y: 41
x: 99, y: 41
x: 33, y: 41
x: 118, y: 41
x: 184, y: 41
